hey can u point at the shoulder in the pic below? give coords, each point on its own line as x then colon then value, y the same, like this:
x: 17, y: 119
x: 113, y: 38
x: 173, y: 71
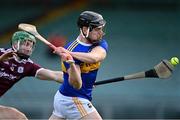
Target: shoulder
x: 5, y: 49
x: 69, y: 44
x: 32, y: 65
x: 2, y: 49
x: 29, y: 61
x: 104, y: 44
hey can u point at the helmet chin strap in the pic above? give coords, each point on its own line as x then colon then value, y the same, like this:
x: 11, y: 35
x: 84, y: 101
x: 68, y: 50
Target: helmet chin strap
x: 16, y: 49
x: 87, y: 36
x: 20, y: 55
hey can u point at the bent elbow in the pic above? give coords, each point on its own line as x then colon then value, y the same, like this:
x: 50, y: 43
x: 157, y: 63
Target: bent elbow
x: 76, y: 84
x: 93, y: 60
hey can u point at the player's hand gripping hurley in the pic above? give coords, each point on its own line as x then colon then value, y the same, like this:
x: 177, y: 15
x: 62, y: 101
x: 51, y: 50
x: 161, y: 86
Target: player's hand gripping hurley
x: 32, y: 30
x: 162, y: 70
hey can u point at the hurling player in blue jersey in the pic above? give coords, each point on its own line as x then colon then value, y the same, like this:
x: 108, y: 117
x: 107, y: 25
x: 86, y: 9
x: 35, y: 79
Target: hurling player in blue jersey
x: 15, y: 64
x: 72, y: 100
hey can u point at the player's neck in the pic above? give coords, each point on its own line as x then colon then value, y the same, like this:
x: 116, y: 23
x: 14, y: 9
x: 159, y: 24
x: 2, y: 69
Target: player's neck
x: 17, y: 58
x: 82, y: 39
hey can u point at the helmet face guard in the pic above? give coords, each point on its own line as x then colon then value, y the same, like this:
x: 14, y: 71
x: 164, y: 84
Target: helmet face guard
x: 91, y: 20
x: 98, y: 23
x: 23, y: 43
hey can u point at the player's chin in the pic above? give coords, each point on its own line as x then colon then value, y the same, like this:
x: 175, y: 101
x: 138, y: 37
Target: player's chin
x: 100, y: 37
x: 28, y: 53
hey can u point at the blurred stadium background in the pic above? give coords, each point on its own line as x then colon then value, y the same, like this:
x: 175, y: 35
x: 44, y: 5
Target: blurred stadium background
x: 140, y: 33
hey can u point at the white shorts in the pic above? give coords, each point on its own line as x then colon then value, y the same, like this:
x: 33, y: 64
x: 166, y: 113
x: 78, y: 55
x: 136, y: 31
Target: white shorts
x: 71, y: 107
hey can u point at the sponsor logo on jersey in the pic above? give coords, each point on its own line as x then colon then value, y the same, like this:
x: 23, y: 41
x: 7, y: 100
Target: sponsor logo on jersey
x: 7, y: 76
x: 88, y: 67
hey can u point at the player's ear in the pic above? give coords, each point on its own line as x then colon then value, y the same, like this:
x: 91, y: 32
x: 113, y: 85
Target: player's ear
x: 15, y: 45
x: 84, y: 30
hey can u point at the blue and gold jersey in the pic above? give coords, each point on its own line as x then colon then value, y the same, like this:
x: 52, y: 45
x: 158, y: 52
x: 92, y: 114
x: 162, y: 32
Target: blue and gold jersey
x: 88, y: 71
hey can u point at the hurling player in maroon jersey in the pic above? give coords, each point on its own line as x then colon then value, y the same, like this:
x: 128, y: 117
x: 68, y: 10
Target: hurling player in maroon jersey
x: 15, y: 64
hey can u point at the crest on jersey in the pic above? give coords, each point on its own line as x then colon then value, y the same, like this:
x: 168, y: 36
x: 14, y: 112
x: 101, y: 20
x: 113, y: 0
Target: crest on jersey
x: 20, y: 69
x: 89, y: 105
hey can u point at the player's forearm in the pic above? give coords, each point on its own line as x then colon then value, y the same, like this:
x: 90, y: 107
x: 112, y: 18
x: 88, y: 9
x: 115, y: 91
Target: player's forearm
x: 49, y: 75
x: 2, y: 58
x: 58, y: 76
x: 74, y: 77
x: 86, y: 57
x: 7, y: 56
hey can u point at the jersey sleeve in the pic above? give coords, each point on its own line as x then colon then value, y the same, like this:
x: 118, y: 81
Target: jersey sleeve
x: 1, y: 51
x: 104, y: 45
x: 77, y: 62
x: 33, y: 69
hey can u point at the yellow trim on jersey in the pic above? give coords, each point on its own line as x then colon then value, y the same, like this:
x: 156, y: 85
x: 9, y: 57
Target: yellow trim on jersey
x: 63, y: 67
x: 79, y: 106
x: 88, y: 67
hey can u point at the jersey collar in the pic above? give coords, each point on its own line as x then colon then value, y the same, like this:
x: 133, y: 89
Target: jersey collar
x: 82, y: 43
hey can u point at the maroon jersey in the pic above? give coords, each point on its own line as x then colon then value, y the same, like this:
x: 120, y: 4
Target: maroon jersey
x: 13, y: 70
